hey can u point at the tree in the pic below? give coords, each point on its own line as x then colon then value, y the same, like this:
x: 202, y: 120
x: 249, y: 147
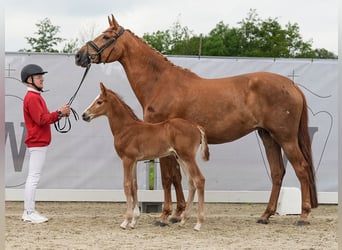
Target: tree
x: 323, y: 53
x: 266, y: 38
x: 160, y: 40
x: 46, y: 41
x: 180, y: 39
x: 222, y: 41
x: 176, y: 41
x: 295, y: 44
x: 70, y: 46
x: 253, y: 37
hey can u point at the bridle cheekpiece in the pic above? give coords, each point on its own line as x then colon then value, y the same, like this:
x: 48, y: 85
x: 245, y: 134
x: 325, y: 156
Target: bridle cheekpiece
x: 98, y: 51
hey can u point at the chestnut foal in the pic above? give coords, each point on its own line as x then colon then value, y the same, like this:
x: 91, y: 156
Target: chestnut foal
x: 136, y: 140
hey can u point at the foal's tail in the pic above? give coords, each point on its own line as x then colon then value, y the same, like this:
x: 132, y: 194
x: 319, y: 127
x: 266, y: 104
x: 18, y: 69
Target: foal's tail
x: 204, y: 145
x: 305, y: 146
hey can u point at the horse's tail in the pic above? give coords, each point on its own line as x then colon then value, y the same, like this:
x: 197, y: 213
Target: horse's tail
x: 305, y: 146
x: 204, y: 145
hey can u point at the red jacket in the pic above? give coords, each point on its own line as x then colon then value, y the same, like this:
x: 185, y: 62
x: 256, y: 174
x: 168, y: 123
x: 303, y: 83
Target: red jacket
x: 37, y: 120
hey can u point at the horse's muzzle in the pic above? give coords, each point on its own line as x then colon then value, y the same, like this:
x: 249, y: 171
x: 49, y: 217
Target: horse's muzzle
x: 82, y: 59
x: 86, y: 117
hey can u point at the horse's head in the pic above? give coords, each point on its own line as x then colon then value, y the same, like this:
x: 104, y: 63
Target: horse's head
x: 103, y: 48
x: 98, y: 107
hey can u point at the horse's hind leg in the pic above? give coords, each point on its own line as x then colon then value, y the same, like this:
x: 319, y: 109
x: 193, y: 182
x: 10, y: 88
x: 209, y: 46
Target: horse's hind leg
x: 273, y: 152
x: 170, y: 173
x: 300, y: 165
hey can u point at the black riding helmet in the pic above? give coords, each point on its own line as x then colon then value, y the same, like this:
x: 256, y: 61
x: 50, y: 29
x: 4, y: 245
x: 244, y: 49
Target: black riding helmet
x: 30, y: 70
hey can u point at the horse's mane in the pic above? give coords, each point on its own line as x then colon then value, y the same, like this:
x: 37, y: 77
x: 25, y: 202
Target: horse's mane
x: 128, y: 108
x: 160, y: 54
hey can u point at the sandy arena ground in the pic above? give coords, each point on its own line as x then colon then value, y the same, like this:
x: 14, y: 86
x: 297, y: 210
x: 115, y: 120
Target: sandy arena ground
x: 86, y: 225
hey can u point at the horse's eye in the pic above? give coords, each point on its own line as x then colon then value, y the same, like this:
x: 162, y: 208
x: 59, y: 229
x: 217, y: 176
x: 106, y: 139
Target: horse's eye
x: 105, y: 37
x: 99, y: 102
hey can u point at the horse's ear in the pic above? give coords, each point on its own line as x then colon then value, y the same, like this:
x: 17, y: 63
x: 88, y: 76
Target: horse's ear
x: 112, y: 22
x: 103, y: 88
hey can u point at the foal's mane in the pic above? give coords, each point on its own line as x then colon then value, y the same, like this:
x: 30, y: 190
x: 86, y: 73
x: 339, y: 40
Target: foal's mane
x: 156, y: 52
x: 119, y: 99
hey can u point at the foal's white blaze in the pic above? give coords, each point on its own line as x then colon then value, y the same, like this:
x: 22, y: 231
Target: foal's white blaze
x: 91, y: 103
x: 87, y: 113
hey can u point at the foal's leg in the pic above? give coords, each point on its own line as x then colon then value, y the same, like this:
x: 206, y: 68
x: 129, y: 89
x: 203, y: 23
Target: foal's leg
x: 196, y: 181
x: 128, y: 165
x: 273, y: 152
x: 136, y: 211
x: 191, y: 193
x: 171, y: 174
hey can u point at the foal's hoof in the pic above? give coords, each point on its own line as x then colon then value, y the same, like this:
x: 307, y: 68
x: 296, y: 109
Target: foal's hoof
x: 160, y: 223
x: 197, y: 227
x: 174, y: 220
x: 124, y: 224
x: 302, y: 223
x: 263, y: 221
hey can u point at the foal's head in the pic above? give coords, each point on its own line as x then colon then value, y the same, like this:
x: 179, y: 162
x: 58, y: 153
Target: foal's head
x: 98, y: 107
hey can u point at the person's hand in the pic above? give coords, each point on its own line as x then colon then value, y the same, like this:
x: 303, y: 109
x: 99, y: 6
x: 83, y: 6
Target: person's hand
x: 65, y: 109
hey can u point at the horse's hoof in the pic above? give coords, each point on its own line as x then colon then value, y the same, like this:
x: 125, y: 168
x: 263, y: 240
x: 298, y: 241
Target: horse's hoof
x: 302, y: 223
x: 263, y: 221
x: 160, y: 223
x: 124, y: 224
x: 174, y: 220
x: 197, y: 227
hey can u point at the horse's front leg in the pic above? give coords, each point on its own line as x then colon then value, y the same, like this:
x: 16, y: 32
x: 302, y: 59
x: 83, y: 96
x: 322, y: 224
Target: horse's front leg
x: 176, y: 176
x: 136, y: 211
x: 177, y: 183
x: 166, y: 182
x: 170, y: 173
x: 127, y: 165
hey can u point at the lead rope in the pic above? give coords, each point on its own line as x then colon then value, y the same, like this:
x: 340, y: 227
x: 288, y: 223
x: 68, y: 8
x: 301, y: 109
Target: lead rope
x: 67, y: 123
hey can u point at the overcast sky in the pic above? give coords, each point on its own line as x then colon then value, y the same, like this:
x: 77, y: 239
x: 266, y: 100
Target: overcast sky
x: 317, y: 19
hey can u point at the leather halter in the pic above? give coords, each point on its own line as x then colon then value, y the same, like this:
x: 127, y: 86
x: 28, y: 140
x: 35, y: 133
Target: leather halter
x: 98, y: 51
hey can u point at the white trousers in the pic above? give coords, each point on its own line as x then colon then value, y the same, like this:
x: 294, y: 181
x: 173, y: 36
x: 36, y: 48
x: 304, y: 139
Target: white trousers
x: 36, y: 162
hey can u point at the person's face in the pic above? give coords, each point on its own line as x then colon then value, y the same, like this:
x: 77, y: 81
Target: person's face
x: 38, y: 80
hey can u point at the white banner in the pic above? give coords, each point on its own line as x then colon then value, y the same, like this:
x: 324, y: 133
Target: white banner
x: 84, y: 158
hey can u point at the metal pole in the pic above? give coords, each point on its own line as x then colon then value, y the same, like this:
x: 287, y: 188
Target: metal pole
x: 2, y: 128
x: 200, y: 47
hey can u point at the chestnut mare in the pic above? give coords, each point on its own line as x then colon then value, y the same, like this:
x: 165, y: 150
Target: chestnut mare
x: 227, y: 108
x: 136, y: 140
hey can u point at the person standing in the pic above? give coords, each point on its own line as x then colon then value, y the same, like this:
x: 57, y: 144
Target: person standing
x: 37, y: 119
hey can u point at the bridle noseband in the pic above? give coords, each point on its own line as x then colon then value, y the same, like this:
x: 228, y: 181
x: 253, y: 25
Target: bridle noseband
x: 98, y: 51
